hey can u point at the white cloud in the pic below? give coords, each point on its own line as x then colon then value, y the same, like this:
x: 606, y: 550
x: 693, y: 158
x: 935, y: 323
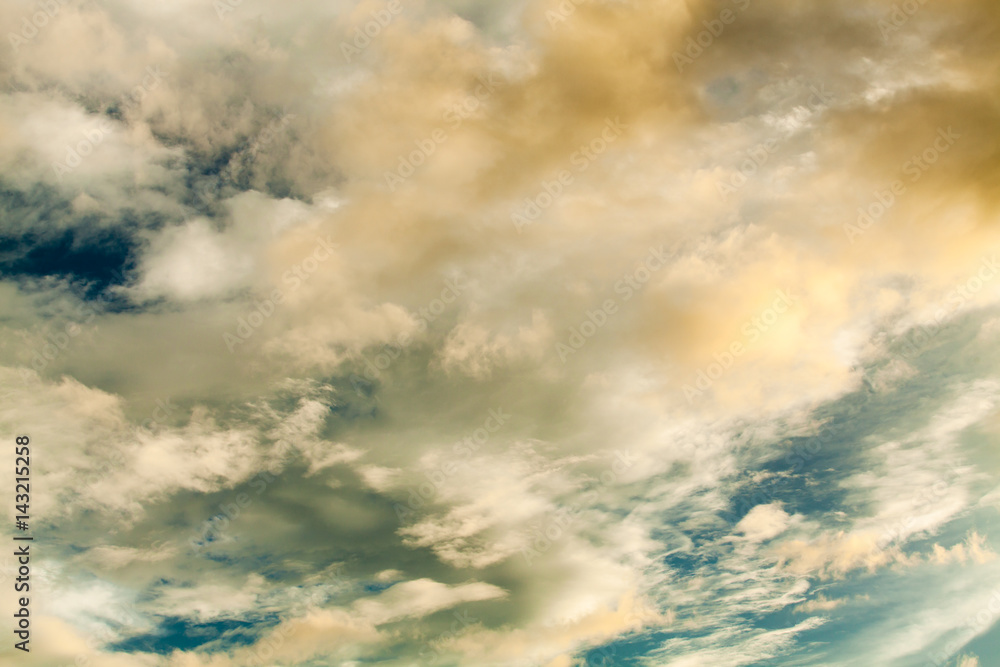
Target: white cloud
x: 421, y: 597
x: 193, y: 262
x: 764, y: 522
x: 471, y: 349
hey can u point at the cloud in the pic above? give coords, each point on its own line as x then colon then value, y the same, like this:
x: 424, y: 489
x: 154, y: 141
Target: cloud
x: 470, y: 349
x: 835, y: 555
x: 763, y: 522
x: 191, y: 263
x: 973, y: 549
x: 819, y: 604
x: 419, y: 598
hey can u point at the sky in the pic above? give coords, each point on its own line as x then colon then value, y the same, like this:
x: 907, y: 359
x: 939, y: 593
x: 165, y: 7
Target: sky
x: 529, y: 333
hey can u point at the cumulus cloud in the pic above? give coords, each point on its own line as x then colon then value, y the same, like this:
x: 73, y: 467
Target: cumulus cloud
x: 763, y: 522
